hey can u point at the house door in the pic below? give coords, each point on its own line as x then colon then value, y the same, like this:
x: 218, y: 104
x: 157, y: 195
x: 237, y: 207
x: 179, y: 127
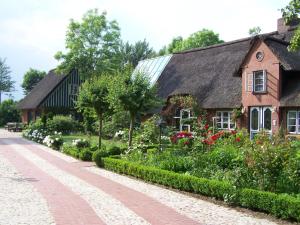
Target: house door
x: 260, y: 120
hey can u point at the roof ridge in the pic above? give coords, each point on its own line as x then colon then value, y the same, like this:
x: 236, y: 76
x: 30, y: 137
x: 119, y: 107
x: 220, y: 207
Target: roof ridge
x: 225, y: 43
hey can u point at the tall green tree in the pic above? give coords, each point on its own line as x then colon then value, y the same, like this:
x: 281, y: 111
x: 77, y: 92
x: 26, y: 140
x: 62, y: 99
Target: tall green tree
x: 31, y: 78
x: 93, y: 94
x: 133, y: 93
x: 200, y: 39
x: 93, y: 46
x: 6, y: 83
x: 289, y: 13
x: 254, y: 31
x: 133, y: 53
x: 9, y: 112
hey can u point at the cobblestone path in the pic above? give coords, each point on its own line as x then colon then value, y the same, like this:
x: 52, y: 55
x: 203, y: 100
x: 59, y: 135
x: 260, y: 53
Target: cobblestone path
x: 39, y: 186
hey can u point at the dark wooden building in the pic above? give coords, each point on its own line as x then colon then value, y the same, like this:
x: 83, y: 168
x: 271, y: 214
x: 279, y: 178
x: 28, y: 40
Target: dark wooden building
x: 54, y: 93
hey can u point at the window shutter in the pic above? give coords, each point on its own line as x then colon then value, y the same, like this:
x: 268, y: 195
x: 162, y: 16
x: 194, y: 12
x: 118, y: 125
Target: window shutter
x: 265, y: 80
x: 249, y: 82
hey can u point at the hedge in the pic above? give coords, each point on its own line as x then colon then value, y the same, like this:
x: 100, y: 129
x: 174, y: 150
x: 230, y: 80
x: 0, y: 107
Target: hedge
x: 280, y: 205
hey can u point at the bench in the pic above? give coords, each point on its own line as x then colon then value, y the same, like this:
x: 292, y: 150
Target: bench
x: 13, y: 126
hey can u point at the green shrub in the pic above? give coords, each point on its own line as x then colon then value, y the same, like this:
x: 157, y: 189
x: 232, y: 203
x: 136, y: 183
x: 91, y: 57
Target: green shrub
x: 113, y: 150
x: 85, y: 155
x: 98, y: 157
x: 63, y: 124
x: 280, y: 205
x: 70, y: 150
x: 283, y: 206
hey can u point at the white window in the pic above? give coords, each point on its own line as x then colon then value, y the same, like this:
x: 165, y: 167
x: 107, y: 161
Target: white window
x: 224, y: 120
x: 184, y: 116
x: 293, y: 122
x: 73, y: 89
x: 259, y: 81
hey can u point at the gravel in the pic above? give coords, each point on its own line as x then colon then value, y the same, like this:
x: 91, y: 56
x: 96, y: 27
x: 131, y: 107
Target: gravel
x: 20, y: 202
x: 110, y: 210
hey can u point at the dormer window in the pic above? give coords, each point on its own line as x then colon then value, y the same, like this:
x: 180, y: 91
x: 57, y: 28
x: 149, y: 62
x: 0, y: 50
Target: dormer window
x: 259, y: 81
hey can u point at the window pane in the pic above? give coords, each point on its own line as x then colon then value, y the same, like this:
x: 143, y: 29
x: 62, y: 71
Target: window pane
x: 267, y: 119
x: 259, y: 81
x: 254, y: 119
x: 225, y: 125
x: 292, y: 128
x: 225, y: 114
x: 292, y: 114
x: 219, y: 126
x: 185, y: 114
x: 232, y: 125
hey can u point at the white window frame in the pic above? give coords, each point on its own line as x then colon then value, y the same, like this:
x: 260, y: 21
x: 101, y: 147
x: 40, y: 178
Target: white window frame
x: 264, y: 81
x: 297, y: 130
x: 220, y: 120
x: 181, y: 119
x: 73, y: 89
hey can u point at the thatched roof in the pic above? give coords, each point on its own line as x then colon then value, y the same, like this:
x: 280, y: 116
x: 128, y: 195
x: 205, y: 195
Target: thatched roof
x: 41, y: 91
x: 210, y: 74
x: 289, y: 60
x: 207, y: 74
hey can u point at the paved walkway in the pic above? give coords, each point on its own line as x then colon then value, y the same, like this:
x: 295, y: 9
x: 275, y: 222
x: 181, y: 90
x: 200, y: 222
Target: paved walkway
x: 42, y: 186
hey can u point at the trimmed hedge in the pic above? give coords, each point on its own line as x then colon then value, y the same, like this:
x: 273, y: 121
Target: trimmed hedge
x: 280, y: 205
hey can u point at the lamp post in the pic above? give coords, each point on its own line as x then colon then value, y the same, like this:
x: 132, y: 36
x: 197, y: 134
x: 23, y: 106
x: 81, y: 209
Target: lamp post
x: 160, y: 123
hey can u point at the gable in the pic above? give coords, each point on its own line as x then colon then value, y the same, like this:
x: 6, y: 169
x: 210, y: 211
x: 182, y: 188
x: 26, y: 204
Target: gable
x: 65, y: 93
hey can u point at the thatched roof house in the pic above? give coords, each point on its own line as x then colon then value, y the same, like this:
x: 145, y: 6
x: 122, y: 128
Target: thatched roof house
x: 257, y: 74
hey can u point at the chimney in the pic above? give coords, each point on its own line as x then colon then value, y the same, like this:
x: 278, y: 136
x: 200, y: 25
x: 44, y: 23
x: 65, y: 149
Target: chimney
x: 282, y: 27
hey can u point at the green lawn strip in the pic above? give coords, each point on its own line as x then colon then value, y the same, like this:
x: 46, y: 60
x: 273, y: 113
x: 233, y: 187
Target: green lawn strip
x: 280, y: 205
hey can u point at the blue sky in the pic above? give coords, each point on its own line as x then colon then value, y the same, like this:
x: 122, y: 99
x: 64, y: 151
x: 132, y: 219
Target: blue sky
x: 32, y: 31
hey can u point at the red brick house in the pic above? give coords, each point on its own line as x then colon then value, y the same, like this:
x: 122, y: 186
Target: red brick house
x: 256, y: 74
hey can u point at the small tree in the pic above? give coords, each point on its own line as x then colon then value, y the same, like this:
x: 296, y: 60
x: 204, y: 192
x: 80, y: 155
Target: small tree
x: 93, y: 94
x: 133, y: 93
x: 6, y: 84
x: 31, y: 78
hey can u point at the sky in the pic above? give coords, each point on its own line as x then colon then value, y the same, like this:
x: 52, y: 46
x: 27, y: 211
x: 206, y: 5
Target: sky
x: 32, y: 31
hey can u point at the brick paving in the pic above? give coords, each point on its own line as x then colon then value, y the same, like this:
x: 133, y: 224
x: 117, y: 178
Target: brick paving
x: 78, y: 193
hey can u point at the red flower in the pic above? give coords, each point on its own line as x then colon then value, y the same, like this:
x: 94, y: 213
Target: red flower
x: 206, y: 126
x: 238, y: 139
x: 186, y: 143
x: 215, y: 137
x: 233, y: 132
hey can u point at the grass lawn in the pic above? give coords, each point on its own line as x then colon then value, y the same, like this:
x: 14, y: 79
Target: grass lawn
x: 93, y: 139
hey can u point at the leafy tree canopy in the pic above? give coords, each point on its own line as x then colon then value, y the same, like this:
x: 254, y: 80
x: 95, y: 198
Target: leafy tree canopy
x: 6, y: 83
x: 93, y: 46
x: 289, y: 13
x: 9, y: 112
x: 202, y: 38
x: 133, y: 53
x: 133, y: 93
x: 254, y: 31
x: 31, y: 78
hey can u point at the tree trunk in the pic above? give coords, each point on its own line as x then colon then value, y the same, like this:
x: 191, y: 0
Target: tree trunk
x: 100, y: 130
x: 132, y: 117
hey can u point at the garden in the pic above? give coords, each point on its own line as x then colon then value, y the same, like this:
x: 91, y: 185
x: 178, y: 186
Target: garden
x: 262, y: 174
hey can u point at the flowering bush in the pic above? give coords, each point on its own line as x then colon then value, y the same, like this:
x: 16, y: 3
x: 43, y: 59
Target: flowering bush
x: 37, y: 135
x: 180, y: 135
x: 81, y: 143
x: 53, y: 141
x: 212, y: 138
